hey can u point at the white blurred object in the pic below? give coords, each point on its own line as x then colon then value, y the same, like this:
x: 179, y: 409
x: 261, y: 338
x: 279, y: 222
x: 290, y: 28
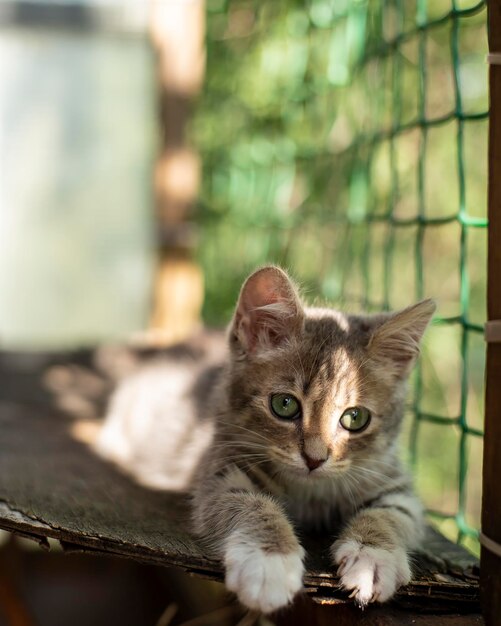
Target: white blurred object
x: 77, y: 138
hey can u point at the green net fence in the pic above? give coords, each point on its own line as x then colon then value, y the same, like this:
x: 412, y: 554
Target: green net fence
x: 347, y: 140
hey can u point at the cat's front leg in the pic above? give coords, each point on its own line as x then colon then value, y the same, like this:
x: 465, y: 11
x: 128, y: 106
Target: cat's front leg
x: 262, y: 557
x: 372, y: 553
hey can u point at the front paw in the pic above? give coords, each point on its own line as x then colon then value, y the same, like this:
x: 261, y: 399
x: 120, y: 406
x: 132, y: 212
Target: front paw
x: 263, y: 581
x: 372, y: 574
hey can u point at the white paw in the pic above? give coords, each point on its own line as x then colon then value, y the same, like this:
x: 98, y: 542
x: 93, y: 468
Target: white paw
x: 371, y: 574
x: 263, y: 581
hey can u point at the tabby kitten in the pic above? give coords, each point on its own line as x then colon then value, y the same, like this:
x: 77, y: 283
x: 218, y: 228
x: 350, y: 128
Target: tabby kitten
x: 307, y: 415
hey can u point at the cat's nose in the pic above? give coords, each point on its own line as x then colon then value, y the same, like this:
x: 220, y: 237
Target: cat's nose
x: 312, y: 463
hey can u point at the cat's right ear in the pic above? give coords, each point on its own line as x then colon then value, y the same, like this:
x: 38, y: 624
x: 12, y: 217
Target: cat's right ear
x: 268, y: 312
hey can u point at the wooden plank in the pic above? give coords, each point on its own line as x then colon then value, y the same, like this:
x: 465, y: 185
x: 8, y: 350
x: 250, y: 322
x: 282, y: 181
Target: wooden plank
x: 53, y: 485
x: 491, y: 502
x: 306, y: 612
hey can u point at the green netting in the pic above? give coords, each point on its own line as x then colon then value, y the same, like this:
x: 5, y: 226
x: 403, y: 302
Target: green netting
x: 346, y: 140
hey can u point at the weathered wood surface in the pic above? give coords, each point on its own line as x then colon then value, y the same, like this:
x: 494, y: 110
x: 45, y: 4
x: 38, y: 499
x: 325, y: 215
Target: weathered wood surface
x: 303, y: 612
x: 52, y: 485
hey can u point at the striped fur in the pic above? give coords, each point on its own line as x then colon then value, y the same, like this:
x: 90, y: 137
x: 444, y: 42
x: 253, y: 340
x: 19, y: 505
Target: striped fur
x: 254, y: 488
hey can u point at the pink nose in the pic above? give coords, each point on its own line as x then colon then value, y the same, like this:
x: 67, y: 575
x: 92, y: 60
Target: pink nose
x: 312, y: 463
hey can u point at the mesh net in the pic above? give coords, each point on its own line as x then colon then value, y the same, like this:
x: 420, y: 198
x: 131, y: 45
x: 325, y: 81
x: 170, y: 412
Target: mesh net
x: 346, y: 140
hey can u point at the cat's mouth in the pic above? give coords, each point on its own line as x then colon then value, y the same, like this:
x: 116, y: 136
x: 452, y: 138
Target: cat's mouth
x: 328, y: 470
x: 298, y: 464
x: 299, y: 468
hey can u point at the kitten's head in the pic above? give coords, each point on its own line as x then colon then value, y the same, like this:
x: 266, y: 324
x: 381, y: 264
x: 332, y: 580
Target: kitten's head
x: 315, y: 390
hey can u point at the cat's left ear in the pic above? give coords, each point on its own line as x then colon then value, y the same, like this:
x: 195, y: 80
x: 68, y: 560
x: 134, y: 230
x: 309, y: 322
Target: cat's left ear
x: 268, y: 312
x: 397, y: 337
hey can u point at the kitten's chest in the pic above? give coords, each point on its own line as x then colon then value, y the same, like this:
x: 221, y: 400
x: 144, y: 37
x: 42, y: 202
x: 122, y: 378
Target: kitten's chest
x: 317, y: 507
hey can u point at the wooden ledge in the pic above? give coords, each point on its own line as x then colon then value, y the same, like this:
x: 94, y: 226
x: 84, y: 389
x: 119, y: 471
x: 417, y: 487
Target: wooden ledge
x: 53, y: 485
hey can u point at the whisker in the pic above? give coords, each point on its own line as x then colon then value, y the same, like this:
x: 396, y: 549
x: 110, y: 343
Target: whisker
x: 376, y: 477
x: 256, y: 463
x: 348, y: 485
x: 237, y: 444
x: 252, y: 432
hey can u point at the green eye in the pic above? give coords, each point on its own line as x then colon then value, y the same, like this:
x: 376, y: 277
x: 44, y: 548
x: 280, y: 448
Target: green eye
x: 356, y: 418
x: 285, y: 406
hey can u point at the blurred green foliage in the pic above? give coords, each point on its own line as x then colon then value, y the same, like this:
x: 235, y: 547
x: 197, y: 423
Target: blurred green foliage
x: 346, y: 140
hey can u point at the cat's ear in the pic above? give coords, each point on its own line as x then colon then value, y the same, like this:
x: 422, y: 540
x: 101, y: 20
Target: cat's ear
x: 397, y: 336
x: 268, y: 312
